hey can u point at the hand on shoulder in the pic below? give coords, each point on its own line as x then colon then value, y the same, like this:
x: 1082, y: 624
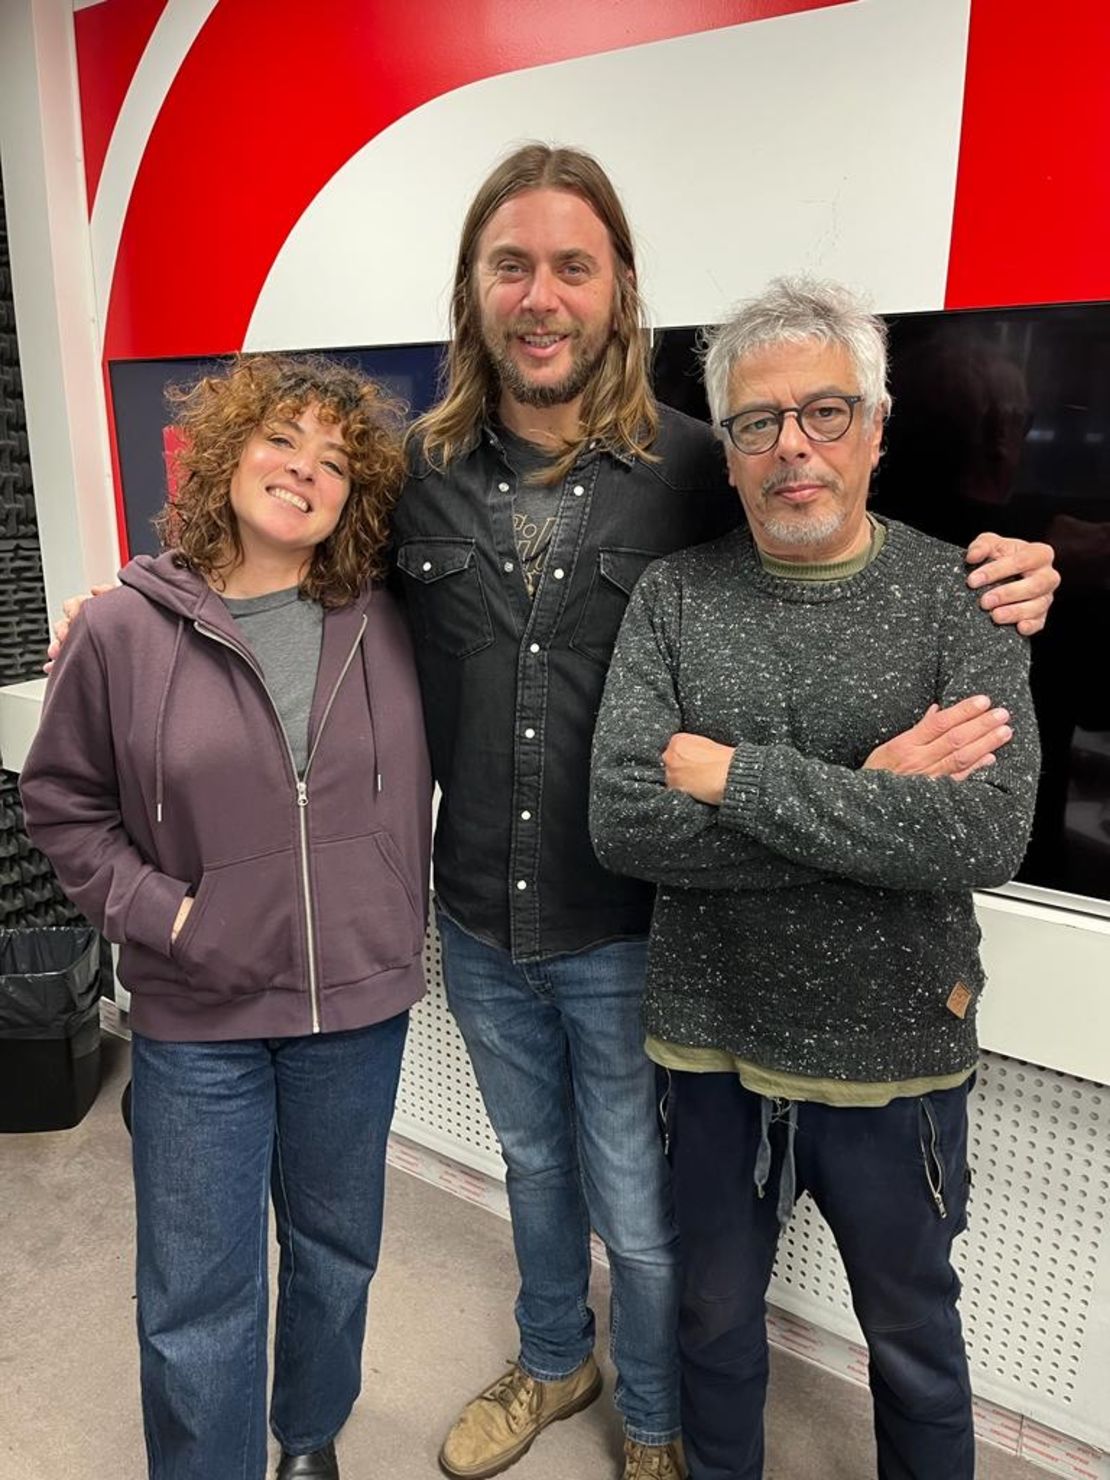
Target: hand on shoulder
x: 1020, y: 577
x: 70, y: 607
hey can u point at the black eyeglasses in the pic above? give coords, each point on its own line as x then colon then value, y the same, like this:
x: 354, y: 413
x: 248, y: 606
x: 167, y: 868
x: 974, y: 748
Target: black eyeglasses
x: 823, y: 419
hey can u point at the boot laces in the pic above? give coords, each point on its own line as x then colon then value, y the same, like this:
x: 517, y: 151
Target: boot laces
x: 513, y: 1391
x: 650, y: 1462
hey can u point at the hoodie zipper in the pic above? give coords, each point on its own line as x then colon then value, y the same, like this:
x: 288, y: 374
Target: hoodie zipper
x: 300, y: 782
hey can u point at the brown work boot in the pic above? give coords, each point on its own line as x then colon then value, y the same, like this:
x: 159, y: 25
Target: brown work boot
x: 654, y: 1461
x: 499, y: 1425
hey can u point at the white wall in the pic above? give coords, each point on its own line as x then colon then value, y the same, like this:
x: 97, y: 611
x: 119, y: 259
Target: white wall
x: 48, y: 236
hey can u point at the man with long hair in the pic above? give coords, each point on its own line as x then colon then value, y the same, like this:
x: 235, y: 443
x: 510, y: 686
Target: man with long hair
x: 541, y: 486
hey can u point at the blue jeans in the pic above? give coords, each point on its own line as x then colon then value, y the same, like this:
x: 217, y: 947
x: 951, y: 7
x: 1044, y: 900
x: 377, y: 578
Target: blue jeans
x: 892, y: 1185
x: 557, y: 1047
x: 218, y: 1129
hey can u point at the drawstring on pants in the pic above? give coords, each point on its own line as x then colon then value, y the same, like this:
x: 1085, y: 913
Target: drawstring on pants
x: 772, y: 1111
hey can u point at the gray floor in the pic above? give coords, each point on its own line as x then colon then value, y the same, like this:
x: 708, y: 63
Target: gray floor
x: 440, y: 1328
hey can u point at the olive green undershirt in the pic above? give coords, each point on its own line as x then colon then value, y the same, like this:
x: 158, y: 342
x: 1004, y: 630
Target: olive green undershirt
x: 773, y: 1083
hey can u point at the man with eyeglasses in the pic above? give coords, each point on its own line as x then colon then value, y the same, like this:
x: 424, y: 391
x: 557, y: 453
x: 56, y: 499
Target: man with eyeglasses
x: 813, y: 971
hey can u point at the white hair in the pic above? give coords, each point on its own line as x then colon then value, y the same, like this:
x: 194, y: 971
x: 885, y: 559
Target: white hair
x: 798, y: 310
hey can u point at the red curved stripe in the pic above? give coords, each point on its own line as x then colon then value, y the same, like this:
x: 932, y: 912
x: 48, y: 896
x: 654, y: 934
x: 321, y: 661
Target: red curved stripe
x: 1032, y: 210
x: 110, y: 39
x: 274, y: 97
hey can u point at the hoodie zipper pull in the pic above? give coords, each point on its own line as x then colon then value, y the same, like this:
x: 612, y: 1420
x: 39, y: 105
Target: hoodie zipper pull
x: 302, y: 793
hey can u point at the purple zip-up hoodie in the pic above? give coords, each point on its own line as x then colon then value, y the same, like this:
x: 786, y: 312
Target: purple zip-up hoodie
x: 160, y: 768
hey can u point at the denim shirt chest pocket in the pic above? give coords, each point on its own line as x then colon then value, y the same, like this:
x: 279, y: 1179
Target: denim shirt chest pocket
x: 616, y: 572
x: 444, y: 588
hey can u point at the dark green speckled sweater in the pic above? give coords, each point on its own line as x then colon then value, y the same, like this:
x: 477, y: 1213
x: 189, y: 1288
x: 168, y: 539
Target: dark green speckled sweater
x: 818, y: 920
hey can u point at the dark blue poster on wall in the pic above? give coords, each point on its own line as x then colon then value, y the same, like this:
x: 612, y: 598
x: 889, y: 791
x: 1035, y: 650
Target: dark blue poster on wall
x: 144, y: 422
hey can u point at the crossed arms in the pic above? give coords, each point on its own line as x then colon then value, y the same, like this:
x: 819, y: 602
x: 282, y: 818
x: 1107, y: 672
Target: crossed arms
x: 923, y: 812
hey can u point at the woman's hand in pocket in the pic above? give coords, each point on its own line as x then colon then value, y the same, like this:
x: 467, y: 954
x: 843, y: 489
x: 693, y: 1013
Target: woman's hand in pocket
x: 182, y: 915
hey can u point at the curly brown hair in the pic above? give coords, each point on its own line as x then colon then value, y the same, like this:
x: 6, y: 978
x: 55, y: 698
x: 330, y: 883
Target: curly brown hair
x: 219, y: 414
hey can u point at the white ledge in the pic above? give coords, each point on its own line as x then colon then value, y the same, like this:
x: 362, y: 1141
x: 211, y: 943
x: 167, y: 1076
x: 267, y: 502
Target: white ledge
x: 20, y: 706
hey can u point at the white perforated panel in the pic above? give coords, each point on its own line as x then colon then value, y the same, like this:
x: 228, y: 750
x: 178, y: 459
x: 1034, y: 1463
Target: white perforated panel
x: 1035, y: 1260
x: 1042, y: 1211
x: 438, y: 1103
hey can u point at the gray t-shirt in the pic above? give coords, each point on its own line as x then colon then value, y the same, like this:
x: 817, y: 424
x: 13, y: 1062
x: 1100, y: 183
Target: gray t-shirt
x: 535, y: 505
x: 284, y: 633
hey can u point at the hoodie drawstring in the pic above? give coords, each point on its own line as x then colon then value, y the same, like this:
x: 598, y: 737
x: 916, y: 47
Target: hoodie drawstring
x: 159, y: 768
x: 369, y: 683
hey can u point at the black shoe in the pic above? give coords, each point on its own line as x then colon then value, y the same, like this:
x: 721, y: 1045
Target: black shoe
x: 320, y: 1464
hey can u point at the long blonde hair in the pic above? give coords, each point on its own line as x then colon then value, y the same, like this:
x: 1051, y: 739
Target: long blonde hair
x: 618, y: 406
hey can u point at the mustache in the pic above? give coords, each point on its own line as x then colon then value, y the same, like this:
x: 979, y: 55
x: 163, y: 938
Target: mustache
x: 533, y: 326
x: 789, y: 478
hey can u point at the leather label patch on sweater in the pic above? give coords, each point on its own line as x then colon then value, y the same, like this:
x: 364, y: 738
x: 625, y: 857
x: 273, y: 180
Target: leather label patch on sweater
x: 959, y: 999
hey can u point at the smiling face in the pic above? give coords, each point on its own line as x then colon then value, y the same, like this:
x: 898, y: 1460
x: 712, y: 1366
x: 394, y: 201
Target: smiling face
x: 289, y: 489
x: 806, y: 501
x: 545, y: 283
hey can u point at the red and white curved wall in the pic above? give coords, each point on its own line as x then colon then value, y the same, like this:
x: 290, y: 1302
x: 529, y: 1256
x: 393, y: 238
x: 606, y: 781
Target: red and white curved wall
x: 261, y: 173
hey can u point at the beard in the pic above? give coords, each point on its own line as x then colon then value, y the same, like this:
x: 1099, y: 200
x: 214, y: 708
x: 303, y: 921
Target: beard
x: 801, y: 526
x: 809, y: 529
x: 586, y: 355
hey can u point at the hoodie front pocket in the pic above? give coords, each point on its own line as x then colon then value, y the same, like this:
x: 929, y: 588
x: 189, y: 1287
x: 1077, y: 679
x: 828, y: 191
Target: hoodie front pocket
x: 366, y: 907
x: 243, y: 933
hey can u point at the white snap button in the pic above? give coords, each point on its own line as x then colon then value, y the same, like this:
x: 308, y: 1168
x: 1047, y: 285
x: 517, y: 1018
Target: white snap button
x: 578, y: 490
x: 504, y: 487
x: 529, y: 734
x: 526, y: 816
x: 427, y: 565
x: 559, y: 574
x: 534, y: 648
x: 522, y: 883
x: 508, y: 565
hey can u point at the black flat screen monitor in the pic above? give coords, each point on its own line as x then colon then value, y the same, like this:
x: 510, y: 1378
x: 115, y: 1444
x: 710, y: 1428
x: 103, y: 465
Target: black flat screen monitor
x: 1001, y: 421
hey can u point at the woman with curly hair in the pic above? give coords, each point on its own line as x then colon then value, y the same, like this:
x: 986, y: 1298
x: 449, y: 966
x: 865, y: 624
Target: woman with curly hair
x: 231, y: 782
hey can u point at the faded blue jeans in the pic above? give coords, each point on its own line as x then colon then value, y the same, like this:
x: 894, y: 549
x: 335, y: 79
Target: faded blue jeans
x: 219, y: 1129
x: 557, y: 1047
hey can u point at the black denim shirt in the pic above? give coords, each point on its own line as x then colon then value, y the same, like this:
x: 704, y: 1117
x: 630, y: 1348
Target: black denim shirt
x: 512, y: 686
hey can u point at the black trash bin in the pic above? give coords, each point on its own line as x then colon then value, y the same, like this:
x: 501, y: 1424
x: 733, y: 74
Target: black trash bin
x: 49, y: 1026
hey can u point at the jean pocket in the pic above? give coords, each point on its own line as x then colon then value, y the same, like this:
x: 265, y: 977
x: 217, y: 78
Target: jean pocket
x: 617, y: 572
x: 443, y: 586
